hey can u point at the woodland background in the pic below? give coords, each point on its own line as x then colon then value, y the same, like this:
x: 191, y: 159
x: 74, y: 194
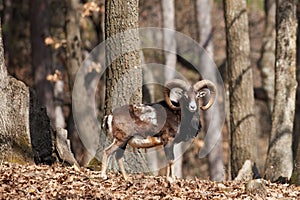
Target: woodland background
x: 45, y: 42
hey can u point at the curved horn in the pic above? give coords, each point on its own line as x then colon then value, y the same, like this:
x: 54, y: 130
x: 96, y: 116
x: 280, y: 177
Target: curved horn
x: 175, y: 83
x: 212, y: 88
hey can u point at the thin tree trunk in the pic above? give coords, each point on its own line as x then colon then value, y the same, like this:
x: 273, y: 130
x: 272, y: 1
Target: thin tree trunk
x: 267, y: 59
x: 204, y: 27
x: 74, y: 61
x: 242, y: 121
x: 169, y: 42
x: 41, y: 54
x: 279, y: 164
x: 124, y: 73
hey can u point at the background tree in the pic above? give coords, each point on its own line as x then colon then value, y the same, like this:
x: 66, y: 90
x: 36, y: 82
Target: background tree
x: 73, y: 63
x: 204, y: 27
x: 169, y: 45
x: 124, y: 74
x: 279, y: 162
x: 168, y: 16
x: 41, y: 54
x: 16, y: 35
x: 267, y: 59
x: 239, y: 73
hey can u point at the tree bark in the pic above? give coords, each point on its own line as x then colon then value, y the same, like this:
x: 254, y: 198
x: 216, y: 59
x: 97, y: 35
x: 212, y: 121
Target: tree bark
x: 204, y: 27
x: 279, y: 162
x: 124, y: 73
x: 17, y: 39
x: 267, y: 59
x: 20, y: 138
x: 41, y: 54
x: 169, y: 42
x: 7, y: 17
x: 242, y: 120
x: 74, y: 61
x: 296, y: 139
x: 13, y: 131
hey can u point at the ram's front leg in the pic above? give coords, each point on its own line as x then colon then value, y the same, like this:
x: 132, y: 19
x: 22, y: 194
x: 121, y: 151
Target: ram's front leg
x: 169, y: 151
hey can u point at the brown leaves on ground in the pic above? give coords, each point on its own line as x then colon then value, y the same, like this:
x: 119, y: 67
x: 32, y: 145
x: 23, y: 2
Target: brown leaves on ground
x: 60, y: 182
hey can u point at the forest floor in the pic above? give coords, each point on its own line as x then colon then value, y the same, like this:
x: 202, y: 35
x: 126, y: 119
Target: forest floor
x: 61, y: 182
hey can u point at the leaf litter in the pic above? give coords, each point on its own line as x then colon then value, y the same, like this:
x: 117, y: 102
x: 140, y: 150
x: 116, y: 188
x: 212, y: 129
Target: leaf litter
x: 61, y: 182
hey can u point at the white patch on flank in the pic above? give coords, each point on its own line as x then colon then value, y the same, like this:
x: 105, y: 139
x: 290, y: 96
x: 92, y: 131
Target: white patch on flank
x: 148, y: 114
x: 145, y: 142
x: 109, y: 122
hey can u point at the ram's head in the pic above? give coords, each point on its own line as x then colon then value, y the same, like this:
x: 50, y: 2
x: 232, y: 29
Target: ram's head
x: 179, y: 93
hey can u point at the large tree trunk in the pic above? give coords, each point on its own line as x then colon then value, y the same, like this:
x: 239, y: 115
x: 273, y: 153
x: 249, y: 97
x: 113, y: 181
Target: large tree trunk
x: 124, y: 73
x: 14, y: 116
x: 41, y: 54
x: 242, y: 121
x: 296, y: 138
x: 22, y: 133
x: 267, y: 59
x: 279, y: 162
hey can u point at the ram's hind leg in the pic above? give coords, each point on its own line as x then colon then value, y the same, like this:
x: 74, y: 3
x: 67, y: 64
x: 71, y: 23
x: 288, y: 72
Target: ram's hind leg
x: 119, y: 158
x: 107, y: 153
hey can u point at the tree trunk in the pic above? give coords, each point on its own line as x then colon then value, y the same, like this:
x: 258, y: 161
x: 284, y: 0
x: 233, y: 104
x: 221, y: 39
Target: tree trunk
x: 41, y: 54
x: 267, y: 59
x: 169, y: 42
x: 19, y: 137
x: 242, y: 120
x: 17, y: 39
x: 74, y: 61
x: 124, y: 73
x: 204, y: 27
x: 296, y: 138
x: 279, y: 162
x: 168, y: 13
x: 7, y: 18
x: 5, y: 145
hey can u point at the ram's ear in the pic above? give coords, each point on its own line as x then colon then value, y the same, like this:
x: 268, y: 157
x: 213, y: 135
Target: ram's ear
x: 176, y: 94
x: 174, y: 90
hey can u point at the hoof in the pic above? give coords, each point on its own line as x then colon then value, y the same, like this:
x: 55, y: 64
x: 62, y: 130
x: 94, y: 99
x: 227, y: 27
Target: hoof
x: 171, y: 179
x: 103, y: 176
x: 126, y: 178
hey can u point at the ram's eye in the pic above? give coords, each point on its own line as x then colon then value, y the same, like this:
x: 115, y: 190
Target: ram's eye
x: 178, y: 92
x: 186, y: 95
x: 201, y: 94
